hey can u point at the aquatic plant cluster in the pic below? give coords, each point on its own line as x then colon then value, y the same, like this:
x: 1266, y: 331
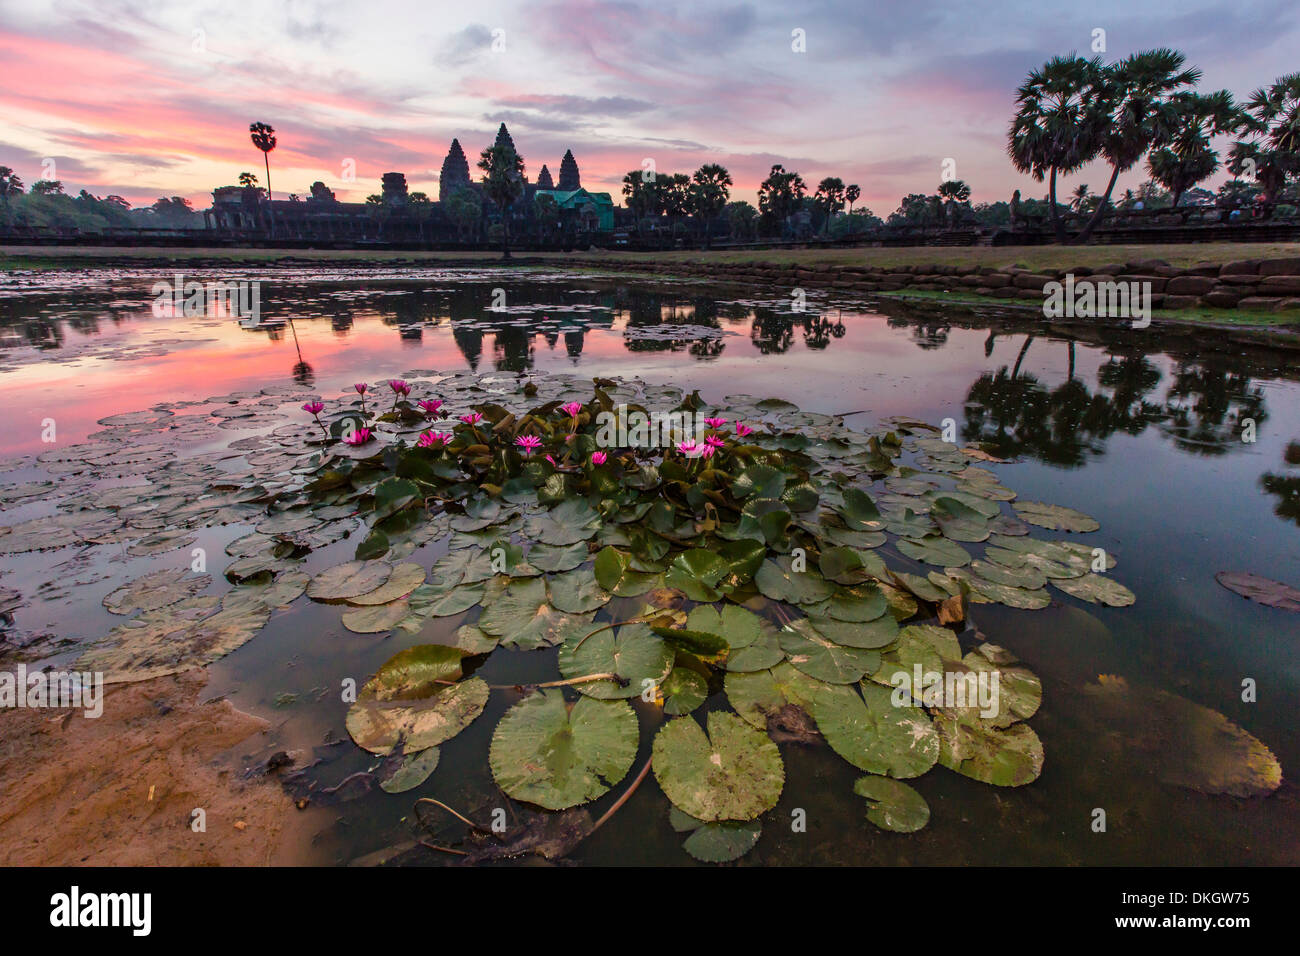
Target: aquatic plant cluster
x: 775, y: 584
x: 749, y: 562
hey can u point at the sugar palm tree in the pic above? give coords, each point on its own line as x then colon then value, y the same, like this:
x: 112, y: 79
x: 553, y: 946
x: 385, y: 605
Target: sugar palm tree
x: 710, y: 189
x: 953, y: 192
x: 1187, y: 158
x: 852, y: 194
x: 1142, y: 113
x: 830, y: 199
x: 1271, y: 120
x: 263, y: 137
x: 1079, y: 198
x: 1060, y: 117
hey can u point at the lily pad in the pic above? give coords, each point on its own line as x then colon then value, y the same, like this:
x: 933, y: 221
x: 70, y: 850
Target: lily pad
x: 156, y: 590
x: 715, y: 842
x: 523, y: 617
x: 546, y: 753
x: 416, y: 698
x: 1260, y: 589
x: 409, y: 772
x: 733, y: 773
x: 1096, y: 589
x: 633, y: 652
x: 1054, y: 517
x: 893, y: 805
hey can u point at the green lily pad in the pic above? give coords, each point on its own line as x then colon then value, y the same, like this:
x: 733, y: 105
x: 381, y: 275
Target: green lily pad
x: 736, y: 627
x: 633, y: 652
x: 577, y: 592
x: 546, y: 753
x: 404, y: 579
x: 873, y: 734
x: 1054, y: 517
x: 778, y: 582
x: 733, y: 773
x: 523, y: 617
x: 614, y: 573
x: 715, y: 842
x: 416, y: 698
x: 558, y: 557
x: 683, y: 690
x: 695, y: 572
x: 1011, y: 757
x: 376, y: 619
x: 893, y: 805
x: 350, y: 580
x: 958, y: 521
x: 411, y: 771
x: 817, y: 656
x: 1096, y: 589
x: 934, y: 549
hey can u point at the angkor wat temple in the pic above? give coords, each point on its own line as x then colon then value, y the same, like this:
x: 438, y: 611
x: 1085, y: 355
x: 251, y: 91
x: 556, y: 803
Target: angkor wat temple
x: 547, y: 212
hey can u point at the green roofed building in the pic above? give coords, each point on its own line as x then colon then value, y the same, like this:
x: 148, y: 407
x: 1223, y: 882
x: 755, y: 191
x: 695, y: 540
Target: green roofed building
x: 594, y: 210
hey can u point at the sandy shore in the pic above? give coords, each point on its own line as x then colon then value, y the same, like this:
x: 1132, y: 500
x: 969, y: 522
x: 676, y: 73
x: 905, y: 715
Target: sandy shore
x: 121, y: 789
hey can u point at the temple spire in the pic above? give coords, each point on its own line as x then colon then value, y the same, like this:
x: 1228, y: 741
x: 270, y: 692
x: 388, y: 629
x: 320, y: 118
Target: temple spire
x: 569, y: 178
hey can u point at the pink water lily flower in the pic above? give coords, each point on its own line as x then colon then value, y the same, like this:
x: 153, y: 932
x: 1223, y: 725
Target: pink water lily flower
x: 743, y: 430
x: 713, y: 441
x: 399, y: 387
x: 690, y: 448
x: 571, y: 409
x: 707, y: 451
x: 433, y: 439
x: 359, y: 437
x: 430, y: 405
x: 553, y: 461
x: 314, y: 408
x: 598, y: 457
x: 715, y: 422
x: 361, y: 388
x: 529, y: 443
x: 472, y: 419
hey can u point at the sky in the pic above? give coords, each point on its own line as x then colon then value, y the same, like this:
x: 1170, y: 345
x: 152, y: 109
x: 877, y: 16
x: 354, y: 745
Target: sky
x: 144, y: 98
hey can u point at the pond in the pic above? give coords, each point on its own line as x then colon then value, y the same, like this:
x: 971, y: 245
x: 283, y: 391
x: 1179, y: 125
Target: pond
x: 1184, y: 448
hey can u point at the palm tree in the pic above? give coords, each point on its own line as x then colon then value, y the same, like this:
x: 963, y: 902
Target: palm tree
x: 636, y: 194
x: 1079, y: 198
x: 709, y: 192
x: 1188, y: 158
x: 1058, y: 126
x: 830, y: 199
x: 1272, y: 121
x: 263, y: 137
x: 852, y: 194
x: 953, y: 192
x: 779, y: 194
x: 1142, y: 113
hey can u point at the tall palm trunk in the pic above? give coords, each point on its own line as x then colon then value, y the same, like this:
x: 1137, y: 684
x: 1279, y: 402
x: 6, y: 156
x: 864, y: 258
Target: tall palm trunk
x: 1015, y: 372
x: 1101, y: 208
x: 270, y: 210
x: 1057, y: 226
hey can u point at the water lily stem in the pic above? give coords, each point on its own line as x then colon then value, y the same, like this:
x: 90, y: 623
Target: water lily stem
x: 463, y: 819
x: 577, y: 680
x: 606, y: 627
x: 623, y: 799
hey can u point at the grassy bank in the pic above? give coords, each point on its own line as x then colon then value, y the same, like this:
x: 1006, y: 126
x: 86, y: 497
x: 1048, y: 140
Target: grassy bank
x: 1227, y: 318
x: 1029, y: 257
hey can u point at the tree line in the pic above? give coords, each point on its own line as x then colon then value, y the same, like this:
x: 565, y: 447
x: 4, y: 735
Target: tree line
x: 1073, y: 110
